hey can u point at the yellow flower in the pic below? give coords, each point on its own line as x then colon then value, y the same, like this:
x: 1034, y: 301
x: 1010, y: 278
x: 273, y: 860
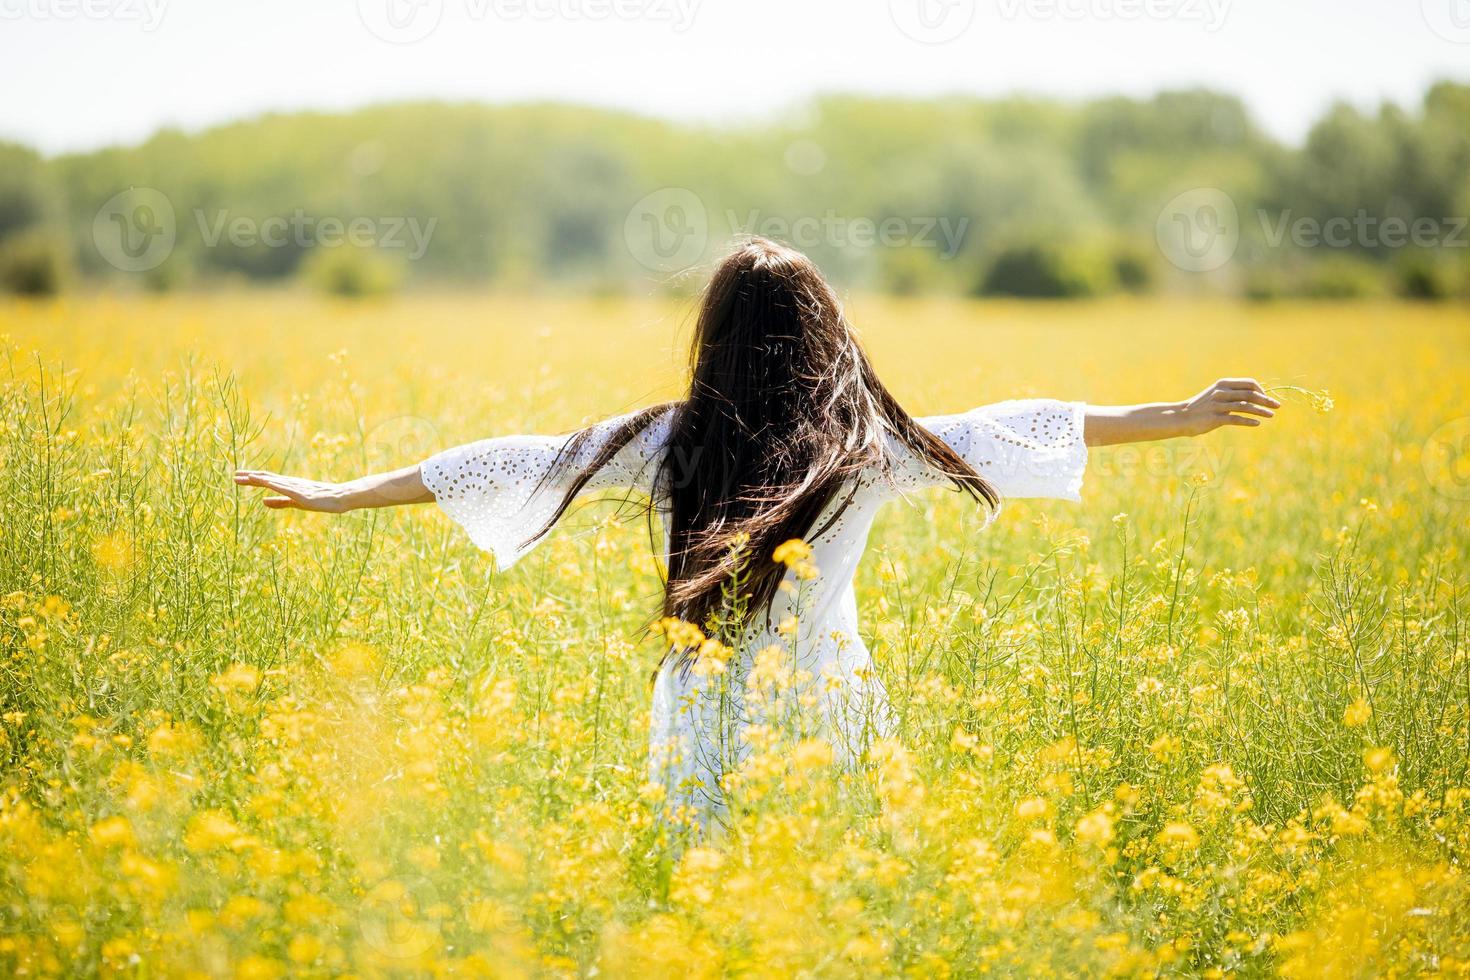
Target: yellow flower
x: 304, y: 949
x: 1322, y: 402
x: 899, y: 786
x: 209, y: 830
x: 240, y: 679
x: 113, y: 552
x: 1177, y: 833
x: 712, y: 659
x: 792, y: 552
x: 811, y: 753
x: 1378, y: 759
x: 1357, y: 714
x: 681, y: 635
x: 112, y: 832
x: 1148, y: 687
x: 1165, y: 747
x: 146, y: 876
x: 963, y: 741
x: 355, y: 660
x: 172, y: 740
x: 702, y: 860
x: 1032, y: 808
x: 1096, y: 828
x: 1127, y: 794
x: 118, y: 952
x: 255, y: 967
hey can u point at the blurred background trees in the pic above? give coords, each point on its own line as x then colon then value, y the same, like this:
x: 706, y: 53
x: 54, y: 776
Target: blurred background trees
x: 1016, y: 197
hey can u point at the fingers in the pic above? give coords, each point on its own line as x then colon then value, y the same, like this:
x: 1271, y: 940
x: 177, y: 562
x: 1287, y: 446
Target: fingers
x: 255, y: 478
x: 284, y: 498
x: 1237, y: 395
x: 1258, y: 398
x: 1248, y: 408
x: 1236, y: 401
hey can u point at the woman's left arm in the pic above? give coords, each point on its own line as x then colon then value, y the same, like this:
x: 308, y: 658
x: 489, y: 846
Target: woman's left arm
x: 1229, y: 401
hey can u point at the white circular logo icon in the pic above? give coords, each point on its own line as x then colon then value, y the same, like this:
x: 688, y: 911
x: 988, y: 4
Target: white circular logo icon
x: 400, y: 21
x: 391, y: 918
x: 1199, y: 230
x: 1450, y: 19
x: 932, y: 21
x: 135, y: 230
x: 1446, y: 459
x: 667, y: 231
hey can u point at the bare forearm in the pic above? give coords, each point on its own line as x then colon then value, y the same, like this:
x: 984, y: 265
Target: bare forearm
x: 405, y: 486
x: 1229, y: 401
x: 1110, y: 425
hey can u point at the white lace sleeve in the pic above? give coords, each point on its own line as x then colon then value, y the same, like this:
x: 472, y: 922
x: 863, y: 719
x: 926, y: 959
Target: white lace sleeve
x: 502, y: 491
x: 1030, y: 448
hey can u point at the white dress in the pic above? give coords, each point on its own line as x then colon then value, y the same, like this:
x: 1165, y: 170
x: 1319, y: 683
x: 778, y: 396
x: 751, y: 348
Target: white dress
x: 814, y: 675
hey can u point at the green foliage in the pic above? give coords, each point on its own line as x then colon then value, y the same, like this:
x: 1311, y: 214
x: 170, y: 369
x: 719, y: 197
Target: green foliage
x: 1343, y: 278
x: 1049, y: 272
x: 1421, y: 277
x: 531, y: 197
x: 32, y: 264
x: 26, y: 196
x: 352, y: 273
x: 1333, y: 278
x: 1133, y: 270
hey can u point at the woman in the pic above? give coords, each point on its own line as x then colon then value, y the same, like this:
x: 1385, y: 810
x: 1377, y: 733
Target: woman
x: 786, y: 433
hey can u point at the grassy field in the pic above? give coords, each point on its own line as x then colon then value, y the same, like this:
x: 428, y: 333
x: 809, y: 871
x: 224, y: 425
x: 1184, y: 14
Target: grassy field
x: 1211, y: 722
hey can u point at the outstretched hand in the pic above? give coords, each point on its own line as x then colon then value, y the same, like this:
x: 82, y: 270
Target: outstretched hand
x: 295, y: 493
x: 1229, y: 401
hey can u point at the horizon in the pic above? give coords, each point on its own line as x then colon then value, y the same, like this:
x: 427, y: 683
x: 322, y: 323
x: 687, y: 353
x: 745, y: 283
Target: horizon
x: 137, y: 67
x: 774, y: 115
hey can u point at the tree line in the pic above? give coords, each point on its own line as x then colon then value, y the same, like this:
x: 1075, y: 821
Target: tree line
x: 1017, y: 196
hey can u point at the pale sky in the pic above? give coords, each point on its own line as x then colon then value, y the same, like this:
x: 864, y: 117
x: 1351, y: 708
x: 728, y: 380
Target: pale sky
x: 77, y: 74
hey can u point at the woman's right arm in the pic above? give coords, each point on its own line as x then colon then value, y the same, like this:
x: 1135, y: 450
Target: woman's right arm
x: 504, y: 492
x: 405, y: 486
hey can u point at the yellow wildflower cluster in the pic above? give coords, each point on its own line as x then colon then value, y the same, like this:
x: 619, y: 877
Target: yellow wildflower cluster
x: 1222, y: 733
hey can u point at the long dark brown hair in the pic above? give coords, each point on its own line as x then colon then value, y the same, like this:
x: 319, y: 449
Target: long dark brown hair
x: 784, y: 413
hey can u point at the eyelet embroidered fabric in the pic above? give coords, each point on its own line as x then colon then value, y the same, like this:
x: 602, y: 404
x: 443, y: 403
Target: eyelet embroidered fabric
x: 498, y: 490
